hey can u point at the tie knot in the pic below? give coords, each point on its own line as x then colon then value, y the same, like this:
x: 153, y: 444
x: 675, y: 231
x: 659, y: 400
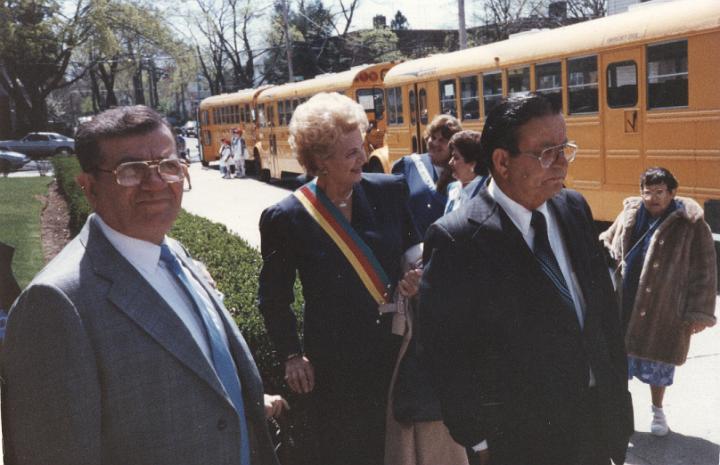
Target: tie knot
x: 538, y: 221
x: 166, y: 255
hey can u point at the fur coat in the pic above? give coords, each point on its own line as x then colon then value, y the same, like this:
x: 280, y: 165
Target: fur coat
x: 677, y: 282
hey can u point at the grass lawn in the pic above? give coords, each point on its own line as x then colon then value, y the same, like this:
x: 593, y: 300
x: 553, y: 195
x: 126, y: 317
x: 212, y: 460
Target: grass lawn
x: 20, y: 223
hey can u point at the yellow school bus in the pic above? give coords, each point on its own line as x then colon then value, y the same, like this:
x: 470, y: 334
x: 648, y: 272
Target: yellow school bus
x: 220, y: 114
x: 638, y: 89
x: 275, y: 106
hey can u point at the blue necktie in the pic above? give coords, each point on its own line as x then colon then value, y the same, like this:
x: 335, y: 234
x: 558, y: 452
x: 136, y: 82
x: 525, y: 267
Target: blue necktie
x: 224, y: 365
x: 546, y: 258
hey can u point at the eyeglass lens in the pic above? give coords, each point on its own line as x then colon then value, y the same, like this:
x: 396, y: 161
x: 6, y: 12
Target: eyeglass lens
x: 133, y: 173
x: 550, y: 154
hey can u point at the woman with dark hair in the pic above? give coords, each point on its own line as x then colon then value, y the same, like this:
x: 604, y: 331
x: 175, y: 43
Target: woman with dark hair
x: 666, y: 259
x: 470, y: 174
x: 428, y: 175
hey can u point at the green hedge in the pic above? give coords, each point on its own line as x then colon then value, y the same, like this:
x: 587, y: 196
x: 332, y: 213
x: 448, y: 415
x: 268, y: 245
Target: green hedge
x: 66, y: 168
x: 232, y: 262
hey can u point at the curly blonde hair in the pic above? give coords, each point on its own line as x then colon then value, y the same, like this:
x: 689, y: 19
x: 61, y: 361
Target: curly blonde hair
x: 318, y: 123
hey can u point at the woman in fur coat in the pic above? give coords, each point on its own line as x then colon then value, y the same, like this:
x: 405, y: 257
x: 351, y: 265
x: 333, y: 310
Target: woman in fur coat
x: 666, y: 257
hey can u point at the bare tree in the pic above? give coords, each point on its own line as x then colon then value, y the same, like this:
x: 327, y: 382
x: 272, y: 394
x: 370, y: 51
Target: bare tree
x: 586, y: 9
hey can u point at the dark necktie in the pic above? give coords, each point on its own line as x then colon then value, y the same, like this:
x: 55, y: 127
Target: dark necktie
x: 546, y: 258
x: 221, y: 358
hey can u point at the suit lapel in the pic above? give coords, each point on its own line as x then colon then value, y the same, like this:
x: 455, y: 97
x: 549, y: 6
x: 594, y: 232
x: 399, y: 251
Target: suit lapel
x: 135, y: 297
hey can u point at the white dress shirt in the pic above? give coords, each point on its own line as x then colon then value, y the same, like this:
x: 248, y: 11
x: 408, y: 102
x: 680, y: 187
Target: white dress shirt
x: 145, y: 258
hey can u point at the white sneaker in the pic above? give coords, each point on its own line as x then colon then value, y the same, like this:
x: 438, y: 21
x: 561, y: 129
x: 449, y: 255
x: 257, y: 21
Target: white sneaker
x: 659, y: 426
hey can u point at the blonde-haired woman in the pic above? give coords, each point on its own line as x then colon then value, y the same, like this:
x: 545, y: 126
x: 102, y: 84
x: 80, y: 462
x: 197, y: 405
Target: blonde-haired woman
x: 344, y: 234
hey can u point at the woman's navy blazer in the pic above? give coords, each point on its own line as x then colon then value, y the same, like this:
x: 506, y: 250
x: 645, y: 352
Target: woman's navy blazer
x: 341, y: 320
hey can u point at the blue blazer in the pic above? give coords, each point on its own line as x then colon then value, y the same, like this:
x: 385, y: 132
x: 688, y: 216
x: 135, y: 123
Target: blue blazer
x: 343, y: 329
x: 425, y: 205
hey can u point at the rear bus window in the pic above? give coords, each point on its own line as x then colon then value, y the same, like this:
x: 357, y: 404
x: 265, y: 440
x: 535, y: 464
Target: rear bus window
x: 667, y: 75
x: 583, y: 85
x: 622, y: 84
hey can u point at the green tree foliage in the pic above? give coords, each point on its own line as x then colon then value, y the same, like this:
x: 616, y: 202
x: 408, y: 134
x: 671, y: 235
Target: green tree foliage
x: 399, y: 22
x: 38, y: 40
x: 374, y: 46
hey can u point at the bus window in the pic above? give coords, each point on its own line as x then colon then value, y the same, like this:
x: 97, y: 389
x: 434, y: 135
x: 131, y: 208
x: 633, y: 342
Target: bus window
x: 395, y: 109
x: 492, y: 90
x: 413, y: 107
x: 548, y: 81
x: 667, y: 75
x: 448, y: 105
x: 422, y: 106
x: 208, y: 138
x: 281, y: 113
x: 583, y: 85
x: 248, y: 114
x: 270, y: 114
x: 469, y: 101
x: 518, y: 81
x: 372, y: 100
x: 261, y: 115
x: 205, y: 117
x: 622, y: 88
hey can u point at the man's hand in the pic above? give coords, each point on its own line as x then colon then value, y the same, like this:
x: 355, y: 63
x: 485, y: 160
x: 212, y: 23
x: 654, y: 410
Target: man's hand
x: 274, y: 405
x: 410, y: 284
x: 300, y: 374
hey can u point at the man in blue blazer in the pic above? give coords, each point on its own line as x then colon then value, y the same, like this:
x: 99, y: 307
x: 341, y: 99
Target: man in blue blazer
x: 517, y: 315
x: 427, y: 175
x: 120, y: 351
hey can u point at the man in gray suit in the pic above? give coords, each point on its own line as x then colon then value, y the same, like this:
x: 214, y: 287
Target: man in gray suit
x: 119, y: 351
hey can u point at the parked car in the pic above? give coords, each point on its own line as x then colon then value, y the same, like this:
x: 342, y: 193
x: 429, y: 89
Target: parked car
x: 11, y: 161
x: 40, y: 144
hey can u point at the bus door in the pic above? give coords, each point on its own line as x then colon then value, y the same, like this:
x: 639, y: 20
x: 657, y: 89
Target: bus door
x: 419, y: 115
x: 623, y: 116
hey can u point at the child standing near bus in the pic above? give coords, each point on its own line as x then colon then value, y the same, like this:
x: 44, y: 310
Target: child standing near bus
x: 226, y: 158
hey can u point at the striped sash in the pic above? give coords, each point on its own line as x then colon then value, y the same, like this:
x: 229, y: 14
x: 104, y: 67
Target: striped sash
x: 355, y: 250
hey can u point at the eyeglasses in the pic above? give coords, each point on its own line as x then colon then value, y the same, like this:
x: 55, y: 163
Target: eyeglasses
x: 648, y: 194
x: 547, y: 156
x: 133, y: 173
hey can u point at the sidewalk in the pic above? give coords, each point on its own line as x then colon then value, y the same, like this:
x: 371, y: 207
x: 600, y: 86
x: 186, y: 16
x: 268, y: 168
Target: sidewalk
x: 692, y: 407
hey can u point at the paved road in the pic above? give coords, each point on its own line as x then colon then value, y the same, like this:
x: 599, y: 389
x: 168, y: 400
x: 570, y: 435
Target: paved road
x: 236, y: 203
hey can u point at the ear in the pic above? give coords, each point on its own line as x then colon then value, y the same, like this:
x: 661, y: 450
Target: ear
x: 500, y: 163
x: 86, y: 181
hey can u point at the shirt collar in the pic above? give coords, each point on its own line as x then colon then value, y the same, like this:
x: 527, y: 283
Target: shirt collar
x: 143, y: 255
x: 519, y: 215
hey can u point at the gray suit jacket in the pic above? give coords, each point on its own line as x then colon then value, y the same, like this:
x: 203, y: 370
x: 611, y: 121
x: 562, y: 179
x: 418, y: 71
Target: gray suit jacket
x: 98, y: 369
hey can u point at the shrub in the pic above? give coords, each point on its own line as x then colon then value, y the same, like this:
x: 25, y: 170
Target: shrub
x: 66, y: 168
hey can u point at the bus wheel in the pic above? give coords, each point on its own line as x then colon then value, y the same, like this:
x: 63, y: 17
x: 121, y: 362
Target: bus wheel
x: 374, y: 166
x: 205, y: 163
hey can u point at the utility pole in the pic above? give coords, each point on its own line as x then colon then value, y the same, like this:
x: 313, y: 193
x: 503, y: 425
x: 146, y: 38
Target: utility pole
x: 462, y: 33
x: 288, y: 45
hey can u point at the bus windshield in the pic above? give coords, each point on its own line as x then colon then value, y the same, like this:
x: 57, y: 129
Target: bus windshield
x: 372, y: 100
